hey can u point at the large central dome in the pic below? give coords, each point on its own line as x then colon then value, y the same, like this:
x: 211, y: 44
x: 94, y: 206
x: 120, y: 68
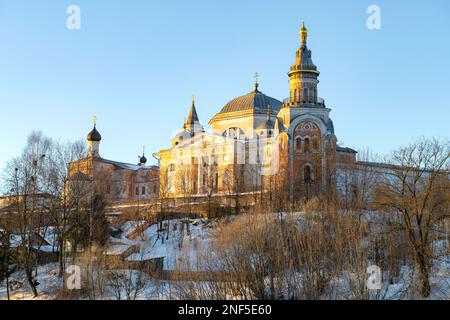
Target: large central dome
x: 254, y: 102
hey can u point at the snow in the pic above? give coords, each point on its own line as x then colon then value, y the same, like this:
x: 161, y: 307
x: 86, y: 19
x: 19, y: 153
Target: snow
x: 47, y: 234
x: 48, y: 279
x: 116, y: 250
x: 130, y: 226
x: 50, y: 235
x: 180, y: 248
x: 46, y: 248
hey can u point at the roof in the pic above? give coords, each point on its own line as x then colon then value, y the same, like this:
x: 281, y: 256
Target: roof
x: 181, y: 136
x: 268, y: 124
x: 303, y: 62
x: 345, y: 150
x: 255, y: 100
x: 124, y: 165
x: 192, y: 116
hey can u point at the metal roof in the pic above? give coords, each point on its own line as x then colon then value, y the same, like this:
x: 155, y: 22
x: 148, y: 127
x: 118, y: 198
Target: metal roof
x: 255, y: 100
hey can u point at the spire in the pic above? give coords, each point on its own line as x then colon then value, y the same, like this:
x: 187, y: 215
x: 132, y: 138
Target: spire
x: 192, y: 124
x: 192, y: 116
x: 303, y: 35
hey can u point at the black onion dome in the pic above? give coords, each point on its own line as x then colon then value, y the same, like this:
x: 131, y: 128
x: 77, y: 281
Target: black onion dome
x: 143, y: 160
x: 94, y: 135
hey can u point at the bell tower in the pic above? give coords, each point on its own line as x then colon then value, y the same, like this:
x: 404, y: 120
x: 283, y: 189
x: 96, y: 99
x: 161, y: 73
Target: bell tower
x: 303, y: 76
x: 94, y: 138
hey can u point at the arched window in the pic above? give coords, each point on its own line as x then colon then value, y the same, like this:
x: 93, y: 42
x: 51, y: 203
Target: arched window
x: 307, y: 147
x: 298, y: 143
x: 172, y: 167
x: 307, y: 174
x: 305, y: 94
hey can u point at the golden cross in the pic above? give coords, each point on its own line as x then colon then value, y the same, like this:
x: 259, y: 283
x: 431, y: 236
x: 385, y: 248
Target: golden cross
x: 193, y: 99
x: 94, y: 119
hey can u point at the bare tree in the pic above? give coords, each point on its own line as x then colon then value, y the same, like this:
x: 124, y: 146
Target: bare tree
x: 415, y: 188
x: 24, y: 185
x: 7, y: 259
x: 61, y: 172
x: 125, y: 283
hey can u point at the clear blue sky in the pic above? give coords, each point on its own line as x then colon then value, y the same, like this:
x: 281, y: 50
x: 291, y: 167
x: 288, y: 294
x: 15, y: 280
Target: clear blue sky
x: 136, y: 64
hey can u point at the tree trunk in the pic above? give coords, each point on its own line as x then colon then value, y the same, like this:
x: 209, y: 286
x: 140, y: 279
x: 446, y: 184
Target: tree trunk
x: 61, y: 258
x: 29, y: 274
x: 425, y: 289
x: 7, y: 285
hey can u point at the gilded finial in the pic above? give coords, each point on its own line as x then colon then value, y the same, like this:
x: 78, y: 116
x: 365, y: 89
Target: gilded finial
x: 303, y: 26
x: 303, y: 35
x: 193, y: 99
x: 94, y: 120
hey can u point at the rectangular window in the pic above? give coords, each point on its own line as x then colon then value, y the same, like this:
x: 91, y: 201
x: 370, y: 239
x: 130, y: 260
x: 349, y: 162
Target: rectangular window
x: 143, y: 190
x: 137, y: 191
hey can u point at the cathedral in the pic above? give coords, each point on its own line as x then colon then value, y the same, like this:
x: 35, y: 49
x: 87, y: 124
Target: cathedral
x: 258, y: 142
